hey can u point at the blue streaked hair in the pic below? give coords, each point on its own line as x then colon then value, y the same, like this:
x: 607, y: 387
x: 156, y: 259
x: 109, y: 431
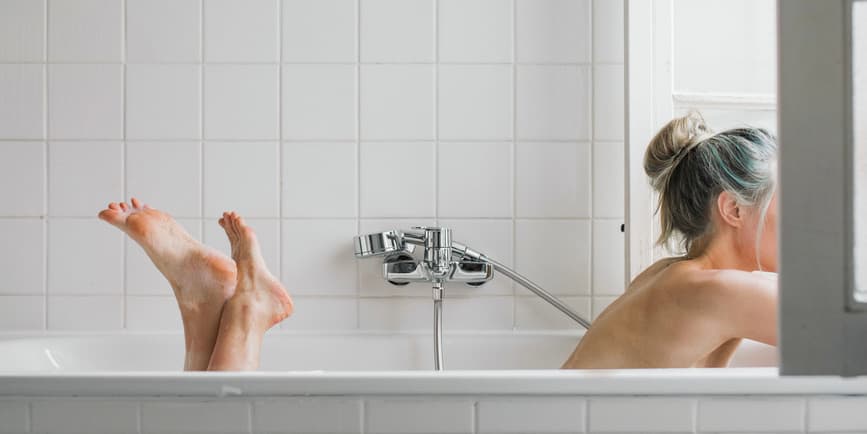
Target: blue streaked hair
x: 689, y: 165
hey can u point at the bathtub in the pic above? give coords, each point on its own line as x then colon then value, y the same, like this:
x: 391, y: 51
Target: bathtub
x: 370, y: 382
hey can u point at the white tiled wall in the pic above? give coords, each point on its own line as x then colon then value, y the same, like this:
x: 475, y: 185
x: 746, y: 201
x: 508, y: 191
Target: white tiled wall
x: 317, y: 119
x: 414, y: 414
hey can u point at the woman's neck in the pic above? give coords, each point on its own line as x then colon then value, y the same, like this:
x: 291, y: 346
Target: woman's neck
x: 722, y: 253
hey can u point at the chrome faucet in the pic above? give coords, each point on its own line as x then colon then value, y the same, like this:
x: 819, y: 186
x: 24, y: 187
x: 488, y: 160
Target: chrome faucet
x: 444, y: 260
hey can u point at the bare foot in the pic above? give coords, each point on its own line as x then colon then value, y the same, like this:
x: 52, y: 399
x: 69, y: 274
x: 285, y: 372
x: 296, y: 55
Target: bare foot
x: 201, y: 277
x: 257, y: 289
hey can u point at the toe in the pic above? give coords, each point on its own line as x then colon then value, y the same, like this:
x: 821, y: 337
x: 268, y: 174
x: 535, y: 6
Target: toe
x: 113, y: 216
x: 124, y: 207
x: 136, y: 203
x: 113, y: 206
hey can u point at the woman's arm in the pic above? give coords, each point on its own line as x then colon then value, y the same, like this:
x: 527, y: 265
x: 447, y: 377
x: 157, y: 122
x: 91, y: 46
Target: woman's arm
x: 745, y: 304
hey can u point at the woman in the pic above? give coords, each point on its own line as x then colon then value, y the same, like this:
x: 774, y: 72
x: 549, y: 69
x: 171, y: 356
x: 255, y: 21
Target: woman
x: 717, y: 197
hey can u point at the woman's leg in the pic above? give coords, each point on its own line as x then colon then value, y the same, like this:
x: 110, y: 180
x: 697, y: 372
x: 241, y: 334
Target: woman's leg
x: 259, y: 302
x: 202, y: 278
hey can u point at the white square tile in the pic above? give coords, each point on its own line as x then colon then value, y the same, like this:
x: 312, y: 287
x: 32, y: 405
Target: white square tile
x: 608, y: 97
x: 319, y: 102
x: 609, y: 258
x: 538, y: 415
x: 552, y: 179
x: 320, y: 180
x: 142, y: 277
x: 84, y: 177
x: 608, y: 20
x: 319, y: 256
x: 22, y: 262
x: 415, y: 312
x: 163, y: 31
x: 565, y: 267
x: 85, y: 30
x: 837, y: 414
x: 553, y: 30
x: 84, y: 416
x: 752, y: 415
x: 14, y: 415
x: 85, y: 312
x: 475, y: 180
x: 319, y: 30
x: 186, y: 416
x: 419, y: 415
x: 645, y: 415
x: 371, y: 281
x: 308, y: 415
x: 242, y: 30
x: 163, y: 102
x: 267, y: 232
x: 553, y: 102
x: 22, y: 179
x: 242, y: 102
x: 533, y: 313
x: 153, y: 313
x: 397, y: 102
x: 609, y: 180
x: 22, y: 31
x: 320, y: 313
x: 475, y: 313
x: 383, y: 20
x: 166, y: 175
x: 20, y: 312
x: 494, y: 239
x: 475, y: 102
x: 397, y: 313
x: 242, y: 177
x: 385, y: 191
x: 70, y: 272
x: 22, y: 114
x: 600, y: 303
x: 85, y: 102
x: 475, y: 30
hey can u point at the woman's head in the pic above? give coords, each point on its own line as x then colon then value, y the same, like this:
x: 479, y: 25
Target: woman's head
x: 710, y: 183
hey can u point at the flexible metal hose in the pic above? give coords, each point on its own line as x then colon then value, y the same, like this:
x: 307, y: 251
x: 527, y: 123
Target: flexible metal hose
x: 545, y: 295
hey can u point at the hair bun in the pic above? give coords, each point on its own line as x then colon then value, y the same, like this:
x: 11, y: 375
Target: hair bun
x: 670, y: 144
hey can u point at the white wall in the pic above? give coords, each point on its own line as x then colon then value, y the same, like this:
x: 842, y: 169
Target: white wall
x: 317, y: 120
x: 455, y: 414
x: 724, y: 61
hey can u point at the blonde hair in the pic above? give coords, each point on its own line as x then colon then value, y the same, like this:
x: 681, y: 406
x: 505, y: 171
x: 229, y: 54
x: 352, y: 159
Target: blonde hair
x: 689, y: 165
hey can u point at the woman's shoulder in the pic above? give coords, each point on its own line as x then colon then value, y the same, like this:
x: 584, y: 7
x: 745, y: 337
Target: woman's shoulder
x: 721, y: 287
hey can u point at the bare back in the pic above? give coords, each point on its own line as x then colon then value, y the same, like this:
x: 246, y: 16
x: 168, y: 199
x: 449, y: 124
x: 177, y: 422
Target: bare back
x: 678, y: 314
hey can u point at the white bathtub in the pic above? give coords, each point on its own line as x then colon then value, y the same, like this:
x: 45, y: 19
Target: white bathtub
x: 368, y: 382
x: 281, y: 352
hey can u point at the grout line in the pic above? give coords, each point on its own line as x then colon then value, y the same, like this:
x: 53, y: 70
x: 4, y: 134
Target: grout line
x: 123, y: 164
x: 475, y: 416
x: 280, y: 168
x: 45, y: 177
x: 590, y: 154
x: 251, y: 409
x: 296, y: 140
x: 514, y: 155
x: 308, y: 63
x: 29, y: 419
x: 436, y: 111
x: 138, y: 411
x: 202, y: 77
x: 358, y: 96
